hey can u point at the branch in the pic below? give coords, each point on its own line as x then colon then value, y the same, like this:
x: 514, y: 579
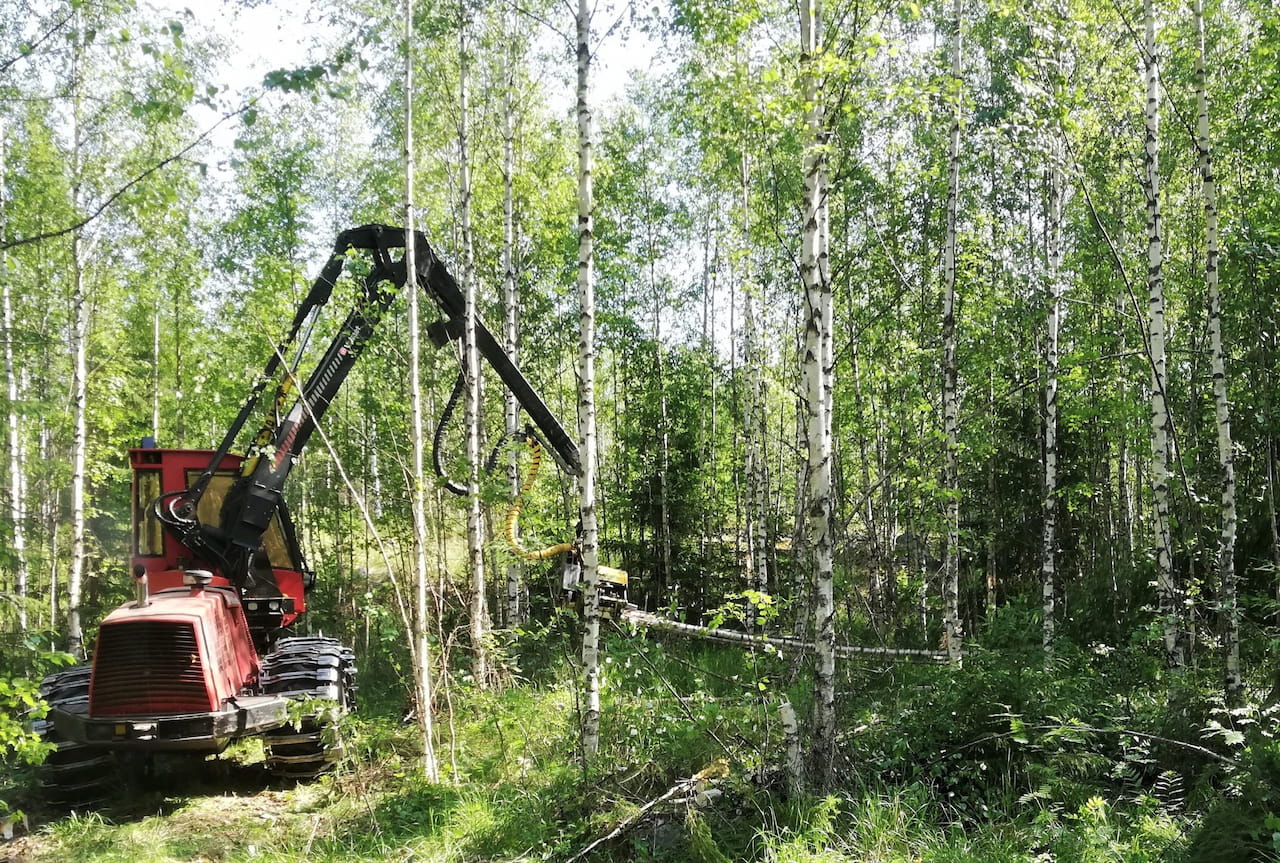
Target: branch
x: 31, y: 48
x: 729, y: 636
x: 1142, y: 735
x: 630, y: 821
x: 569, y: 40
x: 114, y: 196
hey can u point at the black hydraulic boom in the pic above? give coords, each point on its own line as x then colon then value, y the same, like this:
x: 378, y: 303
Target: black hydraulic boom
x: 258, y: 493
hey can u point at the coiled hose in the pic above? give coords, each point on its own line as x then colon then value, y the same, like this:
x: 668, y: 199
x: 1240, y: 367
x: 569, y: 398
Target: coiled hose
x: 513, y: 514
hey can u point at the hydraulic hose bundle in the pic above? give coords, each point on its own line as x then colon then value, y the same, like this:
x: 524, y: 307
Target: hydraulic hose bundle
x: 513, y: 514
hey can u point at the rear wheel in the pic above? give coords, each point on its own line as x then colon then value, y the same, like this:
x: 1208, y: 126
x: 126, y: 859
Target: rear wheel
x: 304, y: 669
x: 75, y: 774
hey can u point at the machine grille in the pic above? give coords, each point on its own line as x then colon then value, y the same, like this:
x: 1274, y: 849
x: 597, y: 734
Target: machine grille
x: 147, y: 668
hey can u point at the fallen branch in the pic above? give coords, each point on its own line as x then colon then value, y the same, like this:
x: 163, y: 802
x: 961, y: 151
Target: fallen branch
x: 730, y: 636
x: 682, y: 787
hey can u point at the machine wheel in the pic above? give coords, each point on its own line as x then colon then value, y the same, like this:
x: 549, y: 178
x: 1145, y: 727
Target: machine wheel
x: 307, y: 668
x: 76, y: 774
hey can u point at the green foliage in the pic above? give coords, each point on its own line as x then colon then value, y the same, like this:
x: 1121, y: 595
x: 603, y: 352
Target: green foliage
x: 21, y: 749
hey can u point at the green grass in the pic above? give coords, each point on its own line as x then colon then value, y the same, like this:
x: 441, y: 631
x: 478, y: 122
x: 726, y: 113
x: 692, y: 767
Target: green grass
x: 985, y: 765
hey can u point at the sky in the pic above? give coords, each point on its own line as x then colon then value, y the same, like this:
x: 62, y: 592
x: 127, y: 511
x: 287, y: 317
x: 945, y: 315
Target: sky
x: 283, y: 34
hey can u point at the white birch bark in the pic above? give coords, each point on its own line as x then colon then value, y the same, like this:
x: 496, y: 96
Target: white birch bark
x: 420, y: 648
x: 586, y: 394
x: 1049, y: 512
x: 753, y: 458
x: 79, y: 371
x: 515, y: 570
x: 665, y: 557
x: 953, y: 635
x: 1166, y: 590
x: 155, y: 371
x: 817, y: 372
x: 793, y: 765
x: 1227, y: 583
x: 471, y: 369
x: 17, y: 466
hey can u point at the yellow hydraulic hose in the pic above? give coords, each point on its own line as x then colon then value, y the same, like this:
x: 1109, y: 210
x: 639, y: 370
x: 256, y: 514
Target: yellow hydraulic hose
x: 513, y: 515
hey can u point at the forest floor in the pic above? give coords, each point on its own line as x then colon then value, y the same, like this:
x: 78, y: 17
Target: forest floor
x: 198, y: 811
x: 1101, y: 757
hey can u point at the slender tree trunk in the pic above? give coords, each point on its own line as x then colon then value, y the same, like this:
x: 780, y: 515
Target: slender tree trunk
x: 818, y: 325
x: 665, y: 556
x: 375, y: 472
x: 471, y: 368
x: 753, y: 466
x: 586, y: 394
x: 80, y: 370
x: 179, y: 420
x: 1273, y: 513
x: 155, y: 371
x: 515, y: 570
x: 706, y: 437
x: 950, y: 392
x: 420, y: 647
x: 1166, y: 589
x: 17, y: 465
x: 1226, y: 459
x: 1053, y: 276
x: 993, y: 575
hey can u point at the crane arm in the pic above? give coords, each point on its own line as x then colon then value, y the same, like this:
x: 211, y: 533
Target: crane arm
x: 257, y: 495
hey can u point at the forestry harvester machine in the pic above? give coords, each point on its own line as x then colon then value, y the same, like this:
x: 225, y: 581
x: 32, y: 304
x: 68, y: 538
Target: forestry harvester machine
x: 205, y: 655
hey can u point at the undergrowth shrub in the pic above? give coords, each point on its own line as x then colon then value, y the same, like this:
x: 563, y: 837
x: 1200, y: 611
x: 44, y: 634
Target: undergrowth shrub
x: 1010, y: 734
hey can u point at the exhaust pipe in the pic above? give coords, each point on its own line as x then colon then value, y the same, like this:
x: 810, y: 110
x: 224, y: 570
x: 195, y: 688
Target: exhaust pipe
x: 140, y: 586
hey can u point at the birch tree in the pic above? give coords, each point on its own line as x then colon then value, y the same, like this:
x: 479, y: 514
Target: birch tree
x: 79, y: 346
x: 422, y: 648
x: 817, y: 371
x: 1053, y: 276
x: 471, y: 372
x: 515, y: 611
x: 17, y: 468
x: 588, y: 542
x: 1055, y: 285
x: 950, y: 390
x: 1227, y: 585
x: 1166, y: 589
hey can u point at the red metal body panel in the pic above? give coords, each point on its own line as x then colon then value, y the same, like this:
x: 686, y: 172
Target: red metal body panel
x: 162, y: 556
x: 187, y: 651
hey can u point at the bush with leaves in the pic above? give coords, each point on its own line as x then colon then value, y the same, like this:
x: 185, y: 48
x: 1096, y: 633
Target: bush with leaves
x: 21, y: 749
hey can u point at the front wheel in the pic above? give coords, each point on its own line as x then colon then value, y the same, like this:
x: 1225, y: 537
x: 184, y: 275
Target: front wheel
x: 313, y: 670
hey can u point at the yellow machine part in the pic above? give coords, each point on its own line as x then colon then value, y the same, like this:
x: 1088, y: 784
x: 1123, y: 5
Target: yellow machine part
x: 611, y: 575
x: 513, y: 515
x: 616, y: 579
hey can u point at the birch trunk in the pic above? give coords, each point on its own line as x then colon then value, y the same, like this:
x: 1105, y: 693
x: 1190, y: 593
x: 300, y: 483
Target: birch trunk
x: 1226, y: 459
x: 471, y: 369
x: 1166, y: 590
x: 155, y: 371
x: 420, y: 648
x: 952, y: 634
x: 753, y: 465
x: 515, y: 608
x: 817, y: 376
x: 586, y: 394
x: 17, y: 467
x: 1273, y: 513
x: 1049, y: 539
x: 79, y: 373
x: 665, y: 563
